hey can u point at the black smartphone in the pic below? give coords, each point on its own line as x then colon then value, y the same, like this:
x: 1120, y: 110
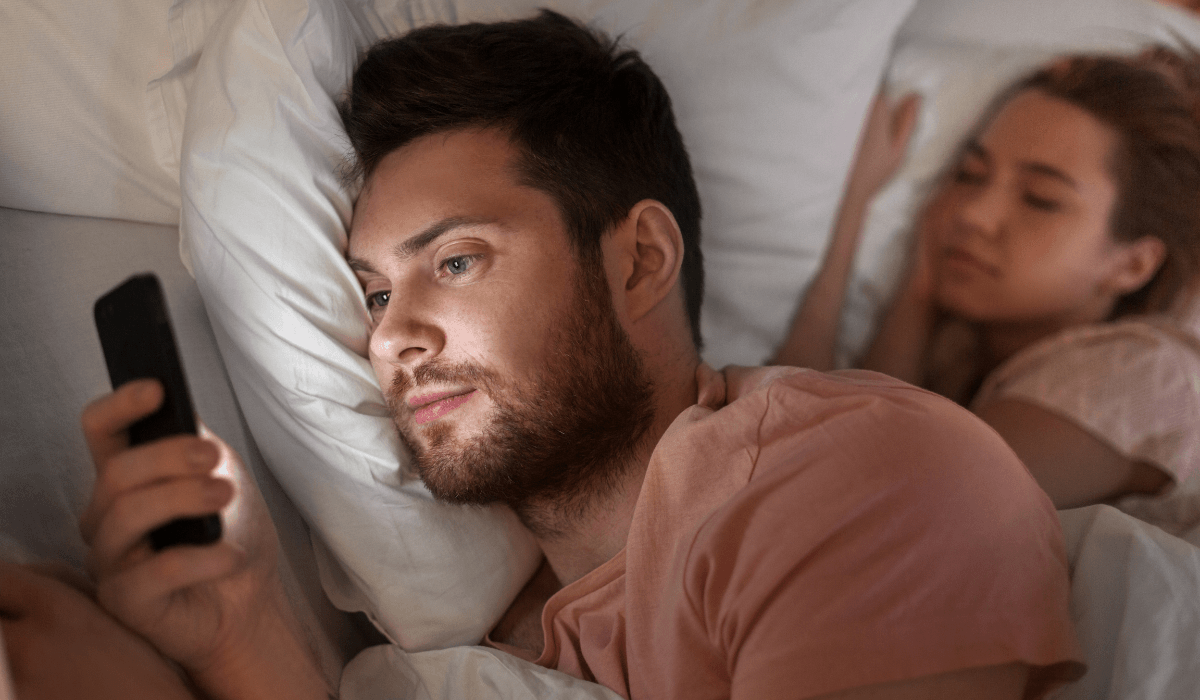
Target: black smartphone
x: 135, y: 333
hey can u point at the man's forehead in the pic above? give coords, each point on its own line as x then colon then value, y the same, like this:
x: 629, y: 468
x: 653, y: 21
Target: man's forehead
x: 446, y: 179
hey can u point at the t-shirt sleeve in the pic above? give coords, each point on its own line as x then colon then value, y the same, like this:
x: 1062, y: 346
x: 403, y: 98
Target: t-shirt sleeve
x: 883, y: 536
x: 1133, y: 386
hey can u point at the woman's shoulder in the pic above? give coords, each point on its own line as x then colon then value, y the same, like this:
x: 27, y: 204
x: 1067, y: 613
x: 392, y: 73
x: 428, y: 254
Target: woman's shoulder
x: 1134, y: 384
x: 1145, y: 350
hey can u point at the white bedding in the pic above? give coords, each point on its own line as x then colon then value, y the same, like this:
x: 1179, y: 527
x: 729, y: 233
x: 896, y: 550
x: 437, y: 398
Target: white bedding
x: 73, y: 142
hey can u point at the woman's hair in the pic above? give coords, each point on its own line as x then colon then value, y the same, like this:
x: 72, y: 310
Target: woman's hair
x: 1152, y: 102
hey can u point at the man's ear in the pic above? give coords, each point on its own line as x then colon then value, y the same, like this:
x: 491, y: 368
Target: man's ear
x: 651, y: 247
x: 1136, y: 264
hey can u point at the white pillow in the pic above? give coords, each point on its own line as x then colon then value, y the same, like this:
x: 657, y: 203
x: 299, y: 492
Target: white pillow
x: 768, y: 96
x: 958, y: 56
x: 74, y: 137
x: 264, y: 220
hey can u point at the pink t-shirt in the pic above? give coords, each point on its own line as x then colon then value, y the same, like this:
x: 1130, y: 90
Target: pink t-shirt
x: 821, y: 532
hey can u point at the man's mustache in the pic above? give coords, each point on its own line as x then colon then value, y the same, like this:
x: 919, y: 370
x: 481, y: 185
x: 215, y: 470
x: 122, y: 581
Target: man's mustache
x: 440, y: 372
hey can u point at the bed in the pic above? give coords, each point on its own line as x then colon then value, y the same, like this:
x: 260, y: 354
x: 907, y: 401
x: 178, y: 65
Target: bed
x: 199, y: 139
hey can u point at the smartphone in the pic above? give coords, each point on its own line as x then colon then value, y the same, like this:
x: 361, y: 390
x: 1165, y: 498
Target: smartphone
x: 135, y: 334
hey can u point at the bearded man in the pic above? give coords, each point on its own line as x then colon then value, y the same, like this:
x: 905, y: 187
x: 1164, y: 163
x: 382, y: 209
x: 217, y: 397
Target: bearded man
x: 527, y: 240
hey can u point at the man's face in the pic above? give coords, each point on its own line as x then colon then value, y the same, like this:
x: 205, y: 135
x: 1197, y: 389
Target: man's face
x: 500, y: 355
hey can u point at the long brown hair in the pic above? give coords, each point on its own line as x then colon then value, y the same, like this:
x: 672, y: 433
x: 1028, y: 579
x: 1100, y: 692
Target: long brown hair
x: 1152, y: 102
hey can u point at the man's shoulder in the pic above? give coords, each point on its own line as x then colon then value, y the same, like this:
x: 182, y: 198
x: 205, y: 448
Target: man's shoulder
x: 851, y: 410
x: 851, y: 436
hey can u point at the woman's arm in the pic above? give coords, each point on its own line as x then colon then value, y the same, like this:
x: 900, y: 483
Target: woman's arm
x: 1070, y: 464
x: 60, y: 644
x: 813, y: 334
x: 899, y: 347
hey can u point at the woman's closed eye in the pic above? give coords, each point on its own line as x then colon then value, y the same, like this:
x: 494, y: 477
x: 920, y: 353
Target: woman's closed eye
x: 1041, y: 203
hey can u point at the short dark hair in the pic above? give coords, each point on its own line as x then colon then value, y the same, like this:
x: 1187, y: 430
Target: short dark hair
x: 592, y: 121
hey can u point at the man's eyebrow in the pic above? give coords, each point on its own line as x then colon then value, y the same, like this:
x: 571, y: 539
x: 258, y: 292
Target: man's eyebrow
x: 409, y: 247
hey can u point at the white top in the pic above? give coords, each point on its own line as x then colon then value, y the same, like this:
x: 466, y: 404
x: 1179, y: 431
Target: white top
x: 1135, y: 385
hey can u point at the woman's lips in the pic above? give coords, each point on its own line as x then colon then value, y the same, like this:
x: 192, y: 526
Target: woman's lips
x: 433, y: 406
x: 957, y: 256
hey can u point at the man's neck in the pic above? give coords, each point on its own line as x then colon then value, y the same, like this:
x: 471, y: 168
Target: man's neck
x: 598, y: 530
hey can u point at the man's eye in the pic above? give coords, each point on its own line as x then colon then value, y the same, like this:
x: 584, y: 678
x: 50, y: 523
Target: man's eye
x: 458, y: 264
x: 378, y: 300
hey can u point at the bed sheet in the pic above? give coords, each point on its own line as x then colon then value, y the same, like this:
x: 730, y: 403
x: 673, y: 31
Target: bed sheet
x: 54, y: 267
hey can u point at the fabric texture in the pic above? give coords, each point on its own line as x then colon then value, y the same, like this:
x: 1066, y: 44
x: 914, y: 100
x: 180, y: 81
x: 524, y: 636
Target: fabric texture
x: 1134, y: 602
x: 1133, y: 384
x: 818, y: 533
x: 74, y: 133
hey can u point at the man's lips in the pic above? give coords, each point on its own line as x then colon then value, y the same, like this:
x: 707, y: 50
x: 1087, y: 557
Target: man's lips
x: 430, y: 407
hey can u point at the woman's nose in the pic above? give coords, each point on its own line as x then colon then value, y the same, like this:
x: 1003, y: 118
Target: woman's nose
x: 982, y: 209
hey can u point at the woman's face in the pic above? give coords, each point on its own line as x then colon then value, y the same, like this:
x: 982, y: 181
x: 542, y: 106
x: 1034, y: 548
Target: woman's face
x: 1019, y: 230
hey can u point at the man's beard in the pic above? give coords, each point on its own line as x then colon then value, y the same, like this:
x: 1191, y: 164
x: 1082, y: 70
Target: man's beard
x: 556, y: 446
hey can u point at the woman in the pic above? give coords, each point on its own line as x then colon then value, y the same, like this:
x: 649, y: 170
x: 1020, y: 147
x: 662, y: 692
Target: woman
x: 1054, y: 265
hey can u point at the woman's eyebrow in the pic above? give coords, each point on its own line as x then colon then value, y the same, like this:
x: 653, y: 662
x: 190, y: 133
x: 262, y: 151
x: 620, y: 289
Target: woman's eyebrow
x: 1050, y: 171
x: 974, y: 148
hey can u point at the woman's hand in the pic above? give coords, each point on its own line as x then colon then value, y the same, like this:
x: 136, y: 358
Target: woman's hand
x: 60, y: 645
x: 882, y: 144
x: 811, y: 339
x: 217, y: 609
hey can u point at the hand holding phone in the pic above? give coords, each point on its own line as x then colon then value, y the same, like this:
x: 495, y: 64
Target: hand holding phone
x: 136, y: 336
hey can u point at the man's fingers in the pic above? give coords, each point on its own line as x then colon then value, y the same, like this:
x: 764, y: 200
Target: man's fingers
x: 106, y: 419
x: 165, y: 459
x: 138, y: 512
x: 167, y: 573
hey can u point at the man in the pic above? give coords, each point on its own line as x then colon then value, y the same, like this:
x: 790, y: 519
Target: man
x: 528, y: 205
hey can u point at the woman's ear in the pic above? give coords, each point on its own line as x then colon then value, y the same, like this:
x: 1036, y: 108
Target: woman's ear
x: 1137, y: 263
x: 652, y: 248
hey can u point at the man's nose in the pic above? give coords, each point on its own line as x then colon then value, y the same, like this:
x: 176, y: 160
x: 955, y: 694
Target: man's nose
x: 408, y: 333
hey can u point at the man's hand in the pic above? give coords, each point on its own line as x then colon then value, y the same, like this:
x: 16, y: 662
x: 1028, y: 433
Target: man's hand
x: 61, y: 645
x: 219, y: 610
